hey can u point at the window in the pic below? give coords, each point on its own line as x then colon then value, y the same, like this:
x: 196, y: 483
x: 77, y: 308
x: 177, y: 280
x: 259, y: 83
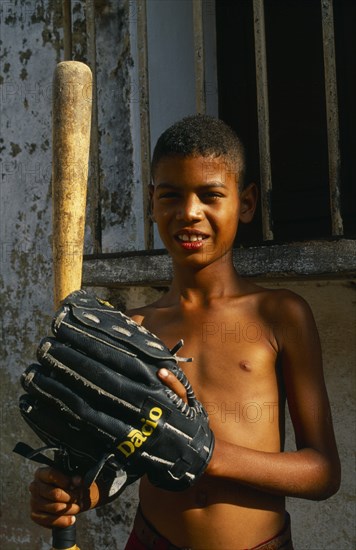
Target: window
x: 290, y: 110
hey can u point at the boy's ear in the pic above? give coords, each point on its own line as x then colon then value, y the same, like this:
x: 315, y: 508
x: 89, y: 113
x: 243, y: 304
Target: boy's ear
x: 248, y: 202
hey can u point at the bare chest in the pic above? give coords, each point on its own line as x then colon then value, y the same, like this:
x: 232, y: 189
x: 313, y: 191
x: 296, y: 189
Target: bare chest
x: 233, y: 357
x: 234, y: 371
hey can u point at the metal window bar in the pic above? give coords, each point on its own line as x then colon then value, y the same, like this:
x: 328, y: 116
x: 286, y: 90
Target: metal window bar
x: 199, y: 62
x: 332, y: 115
x: 263, y: 118
x: 144, y: 120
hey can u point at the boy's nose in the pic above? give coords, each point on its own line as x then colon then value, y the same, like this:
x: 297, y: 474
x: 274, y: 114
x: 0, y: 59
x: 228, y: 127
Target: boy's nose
x: 189, y: 210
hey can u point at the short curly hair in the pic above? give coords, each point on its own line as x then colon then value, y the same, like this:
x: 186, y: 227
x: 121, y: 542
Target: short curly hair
x: 202, y: 135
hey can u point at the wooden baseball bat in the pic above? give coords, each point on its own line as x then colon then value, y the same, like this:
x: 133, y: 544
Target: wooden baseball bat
x: 71, y: 121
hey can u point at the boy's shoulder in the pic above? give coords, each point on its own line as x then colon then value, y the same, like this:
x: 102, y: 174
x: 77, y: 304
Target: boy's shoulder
x: 284, y: 299
x: 277, y: 303
x: 288, y: 315
x: 281, y: 305
x: 138, y: 314
x: 270, y: 296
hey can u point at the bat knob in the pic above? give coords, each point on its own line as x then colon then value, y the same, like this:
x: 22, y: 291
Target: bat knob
x: 64, y: 539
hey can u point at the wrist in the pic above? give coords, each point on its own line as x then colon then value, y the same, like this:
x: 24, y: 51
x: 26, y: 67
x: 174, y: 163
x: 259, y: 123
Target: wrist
x: 212, y: 467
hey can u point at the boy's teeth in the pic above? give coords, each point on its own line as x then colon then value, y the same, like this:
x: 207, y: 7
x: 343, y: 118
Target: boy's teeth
x: 191, y: 238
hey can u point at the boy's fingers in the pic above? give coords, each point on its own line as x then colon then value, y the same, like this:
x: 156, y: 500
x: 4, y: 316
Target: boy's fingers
x: 48, y: 520
x: 53, y: 477
x: 42, y: 506
x: 173, y: 383
x: 48, y: 492
x: 52, y: 506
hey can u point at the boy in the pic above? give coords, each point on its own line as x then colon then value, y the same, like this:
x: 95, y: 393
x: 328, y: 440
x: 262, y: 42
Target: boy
x: 253, y: 349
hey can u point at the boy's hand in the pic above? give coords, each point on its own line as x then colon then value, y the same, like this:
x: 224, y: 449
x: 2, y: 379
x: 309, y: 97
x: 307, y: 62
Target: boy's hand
x: 57, y: 498
x: 168, y: 379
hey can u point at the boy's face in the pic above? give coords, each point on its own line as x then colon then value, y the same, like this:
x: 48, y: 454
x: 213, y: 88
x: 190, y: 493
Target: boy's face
x: 197, y: 205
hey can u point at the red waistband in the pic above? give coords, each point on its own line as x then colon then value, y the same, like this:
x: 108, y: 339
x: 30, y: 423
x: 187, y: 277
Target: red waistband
x: 281, y: 541
x: 145, y: 537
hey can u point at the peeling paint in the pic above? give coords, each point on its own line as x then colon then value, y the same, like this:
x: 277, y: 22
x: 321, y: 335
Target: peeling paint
x: 23, y: 74
x: 45, y: 145
x: 31, y: 147
x: 25, y: 56
x: 79, y: 32
x: 39, y: 14
x: 25, y: 253
x: 15, y: 149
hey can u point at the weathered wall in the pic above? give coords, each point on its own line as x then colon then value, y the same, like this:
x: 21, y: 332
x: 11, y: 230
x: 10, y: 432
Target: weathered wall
x: 32, y: 35
x: 25, y: 232
x: 32, y: 38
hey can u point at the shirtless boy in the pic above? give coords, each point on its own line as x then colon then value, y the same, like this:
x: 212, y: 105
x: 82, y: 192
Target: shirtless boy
x: 253, y: 349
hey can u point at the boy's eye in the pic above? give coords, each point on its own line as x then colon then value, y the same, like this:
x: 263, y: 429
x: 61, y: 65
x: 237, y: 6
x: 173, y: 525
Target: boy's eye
x: 204, y: 196
x: 212, y: 195
x: 168, y: 195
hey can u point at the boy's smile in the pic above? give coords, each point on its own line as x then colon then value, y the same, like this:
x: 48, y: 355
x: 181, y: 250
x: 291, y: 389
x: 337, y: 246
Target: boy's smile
x: 191, y: 239
x: 196, y: 205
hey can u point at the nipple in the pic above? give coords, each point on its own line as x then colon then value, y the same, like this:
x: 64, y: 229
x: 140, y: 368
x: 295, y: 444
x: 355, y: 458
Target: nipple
x: 244, y: 365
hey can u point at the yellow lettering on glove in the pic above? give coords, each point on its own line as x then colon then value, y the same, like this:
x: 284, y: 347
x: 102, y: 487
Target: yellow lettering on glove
x: 137, y: 437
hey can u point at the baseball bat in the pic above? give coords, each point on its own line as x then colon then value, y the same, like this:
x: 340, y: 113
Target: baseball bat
x: 71, y: 121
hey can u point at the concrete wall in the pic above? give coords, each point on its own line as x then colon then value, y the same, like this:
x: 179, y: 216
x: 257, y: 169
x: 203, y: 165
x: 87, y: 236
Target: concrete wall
x: 330, y: 524
x: 32, y: 35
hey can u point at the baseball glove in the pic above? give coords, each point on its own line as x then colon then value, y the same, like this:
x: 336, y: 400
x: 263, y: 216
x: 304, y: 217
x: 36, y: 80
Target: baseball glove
x: 95, y: 399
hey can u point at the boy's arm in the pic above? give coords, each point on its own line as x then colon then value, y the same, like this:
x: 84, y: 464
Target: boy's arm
x: 313, y: 471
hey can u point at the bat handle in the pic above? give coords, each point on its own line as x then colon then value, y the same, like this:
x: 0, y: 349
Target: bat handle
x: 64, y: 539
